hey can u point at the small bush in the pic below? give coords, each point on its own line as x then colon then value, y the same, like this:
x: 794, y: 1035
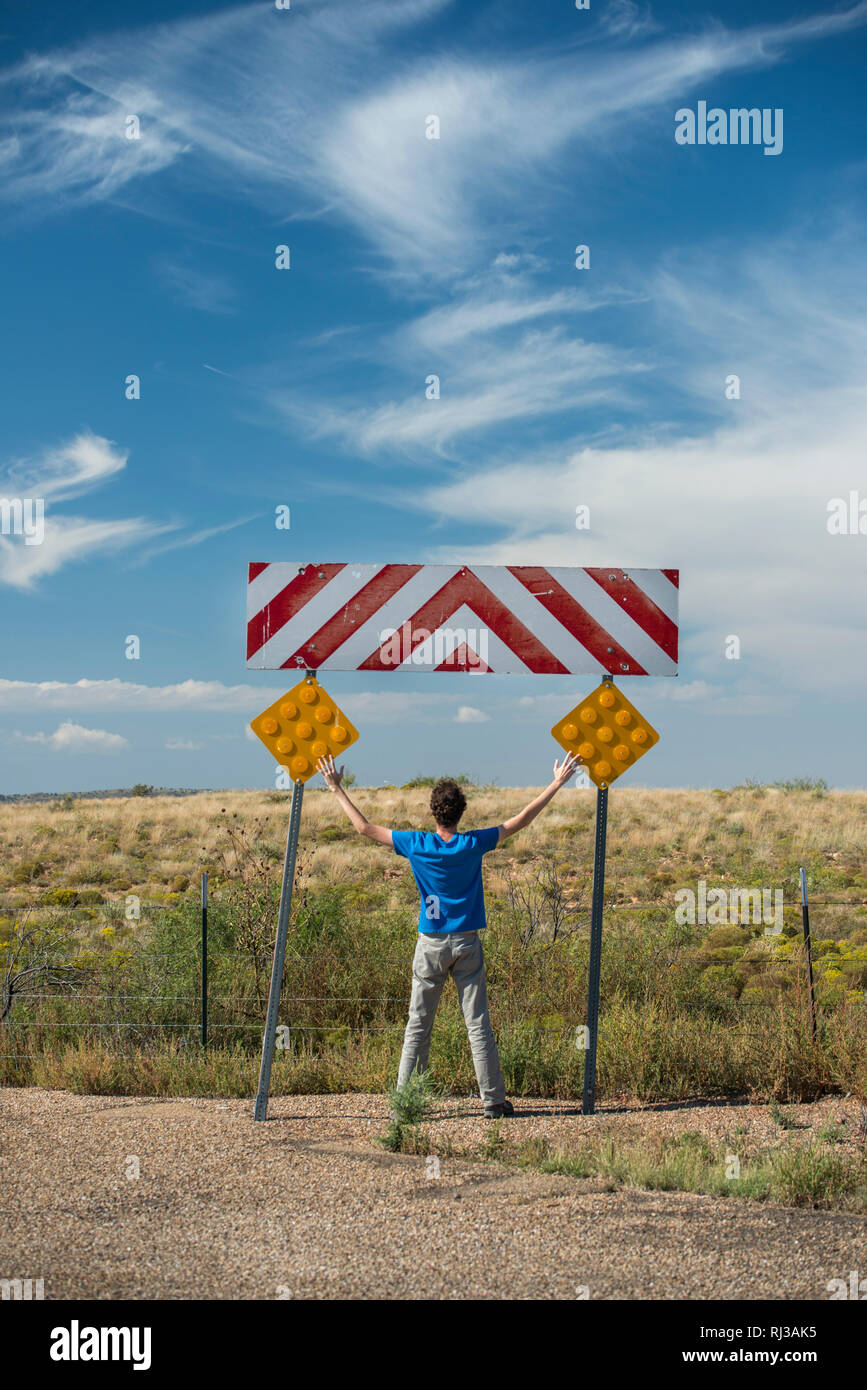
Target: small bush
x: 28, y: 871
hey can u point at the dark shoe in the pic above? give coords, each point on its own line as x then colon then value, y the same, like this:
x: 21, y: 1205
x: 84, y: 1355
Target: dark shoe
x: 497, y: 1112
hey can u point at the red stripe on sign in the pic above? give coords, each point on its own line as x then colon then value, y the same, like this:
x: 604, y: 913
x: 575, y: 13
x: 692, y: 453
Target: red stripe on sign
x: 641, y: 609
x: 256, y: 567
x: 569, y: 612
x: 466, y: 588
x: 463, y: 658
x: 333, y: 633
x: 674, y: 576
x: 287, y: 603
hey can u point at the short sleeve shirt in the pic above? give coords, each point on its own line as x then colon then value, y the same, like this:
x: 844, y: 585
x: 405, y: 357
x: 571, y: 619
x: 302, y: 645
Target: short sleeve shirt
x: 448, y: 875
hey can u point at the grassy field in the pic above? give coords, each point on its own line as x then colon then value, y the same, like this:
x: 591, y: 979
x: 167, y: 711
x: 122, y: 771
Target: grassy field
x: 99, y: 933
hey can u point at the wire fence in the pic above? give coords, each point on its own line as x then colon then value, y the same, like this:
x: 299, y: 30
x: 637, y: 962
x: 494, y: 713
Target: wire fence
x: 239, y: 1016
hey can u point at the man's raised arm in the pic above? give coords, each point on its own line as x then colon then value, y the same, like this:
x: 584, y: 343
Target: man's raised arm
x: 333, y: 777
x: 532, y: 809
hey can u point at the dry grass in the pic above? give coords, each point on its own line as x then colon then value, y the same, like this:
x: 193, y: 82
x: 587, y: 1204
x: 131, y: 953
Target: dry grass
x: 656, y: 839
x: 673, y: 1022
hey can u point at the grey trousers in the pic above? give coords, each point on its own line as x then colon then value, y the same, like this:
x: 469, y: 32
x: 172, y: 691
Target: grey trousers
x: 459, y: 954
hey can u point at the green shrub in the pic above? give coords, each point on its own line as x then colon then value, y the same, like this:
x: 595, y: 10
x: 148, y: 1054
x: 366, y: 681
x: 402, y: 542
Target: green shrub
x: 28, y: 870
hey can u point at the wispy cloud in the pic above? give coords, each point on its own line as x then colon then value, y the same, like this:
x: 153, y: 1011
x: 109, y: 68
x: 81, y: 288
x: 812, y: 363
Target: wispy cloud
x: 66, y: 470
x: 239, y: 99
x: 81, y: 465
x: 197, y: 288
x: 740, y: 501
x: 542, y: 373
x: 58, y: 474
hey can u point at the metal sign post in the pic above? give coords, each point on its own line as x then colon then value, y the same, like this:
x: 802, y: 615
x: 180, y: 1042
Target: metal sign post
x: 204, y: 960
x: 609, y: 735
x: 589, y: 1099
x: 261, y: 1111
x: 808, y: 951
x: 301, y: 727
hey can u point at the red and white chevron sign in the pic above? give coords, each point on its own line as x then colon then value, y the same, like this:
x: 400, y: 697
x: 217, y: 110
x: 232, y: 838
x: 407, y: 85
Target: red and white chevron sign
x: 521, y: 619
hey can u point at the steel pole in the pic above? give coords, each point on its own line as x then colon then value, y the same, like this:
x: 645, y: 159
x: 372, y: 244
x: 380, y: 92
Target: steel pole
x: 261, y: 1111
x: 589, y: 1099
x: 805, y: 918
x: 204, y: 960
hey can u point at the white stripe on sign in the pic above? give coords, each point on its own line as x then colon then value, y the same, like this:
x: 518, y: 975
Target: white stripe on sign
x: 323, y: 605
x: 660, y: 589
x: 610, y: 615
x: 510, y: 591
x: 465, y: 625
x: 408, y: 599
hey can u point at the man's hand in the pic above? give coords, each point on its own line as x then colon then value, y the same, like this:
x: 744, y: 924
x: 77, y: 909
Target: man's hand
x: 332, y: 775
x: 571, y: 764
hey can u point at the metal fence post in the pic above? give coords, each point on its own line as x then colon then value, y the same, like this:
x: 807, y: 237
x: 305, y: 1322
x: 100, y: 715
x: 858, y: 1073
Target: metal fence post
x: 589, y: 1098
x: 204, y: 960
x: 805, y: 918
x: 261, y: 1110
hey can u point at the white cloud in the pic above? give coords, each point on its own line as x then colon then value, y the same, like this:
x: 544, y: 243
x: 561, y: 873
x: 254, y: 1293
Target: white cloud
x: 323, y: 102
x: 57, y: 474
x: 67, y: 470
x: 30, y: 696
x: 69, y: 539
x: 468, y: 715
x: 543, y: 373
x: 374, y: 707
x: 740, y: 503
x: 685, y: 691
x: 75, y: 738
x: 182, y: 745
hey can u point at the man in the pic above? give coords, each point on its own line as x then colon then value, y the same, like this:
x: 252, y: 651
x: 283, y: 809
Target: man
x: 447, y: 867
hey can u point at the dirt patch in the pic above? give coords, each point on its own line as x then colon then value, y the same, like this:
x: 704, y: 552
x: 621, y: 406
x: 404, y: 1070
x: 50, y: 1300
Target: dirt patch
x: 108, y: 1198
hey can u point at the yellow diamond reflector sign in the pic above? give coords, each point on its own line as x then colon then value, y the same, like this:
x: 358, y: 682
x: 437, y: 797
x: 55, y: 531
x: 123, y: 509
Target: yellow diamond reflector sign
x: 607, y: 732
x: 303, y: 726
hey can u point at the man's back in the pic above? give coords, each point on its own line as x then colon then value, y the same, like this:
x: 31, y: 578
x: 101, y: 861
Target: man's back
x: 448, y: 874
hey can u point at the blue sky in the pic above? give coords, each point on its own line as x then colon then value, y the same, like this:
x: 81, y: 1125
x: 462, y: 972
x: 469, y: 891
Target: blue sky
x: 410, y: 256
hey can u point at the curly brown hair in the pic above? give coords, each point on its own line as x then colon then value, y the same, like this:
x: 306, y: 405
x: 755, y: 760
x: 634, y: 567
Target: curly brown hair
x: 447, y: 803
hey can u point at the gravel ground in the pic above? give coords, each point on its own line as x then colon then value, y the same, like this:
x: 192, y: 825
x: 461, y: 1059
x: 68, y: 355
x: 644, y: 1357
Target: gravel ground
x: 115, y: 1197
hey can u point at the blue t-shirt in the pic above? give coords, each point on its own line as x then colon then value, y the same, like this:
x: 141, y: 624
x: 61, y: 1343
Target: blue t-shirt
x: 448, y: 875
